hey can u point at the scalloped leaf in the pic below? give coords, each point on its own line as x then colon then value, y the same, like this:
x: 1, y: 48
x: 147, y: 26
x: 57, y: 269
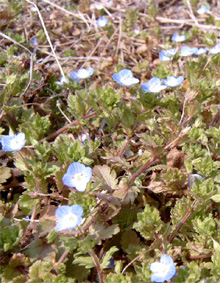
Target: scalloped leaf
x: 105, y: 177
x: 106, y: 259
x: 5, y: 173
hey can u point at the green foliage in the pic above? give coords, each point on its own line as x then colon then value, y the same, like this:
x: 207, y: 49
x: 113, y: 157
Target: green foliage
x: 142, y: 147
x: 10, y: 235
x: 103, y: 232
x: 87, y: 202
x: 68, y: 150
x: 112, y: 278
x: 132, y: 16
x: 104, y: 177
x: 106, y: 259
x: 27, y: 203
x: 148, y: 221
x: 174, y: 179
x: 34, y: 126
x: 86, y: 261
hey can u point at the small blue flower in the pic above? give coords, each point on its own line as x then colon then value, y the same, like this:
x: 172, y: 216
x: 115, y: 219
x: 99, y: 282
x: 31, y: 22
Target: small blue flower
x: 68, y: 216
x: 83, y: 137
x: 62, y: 81
x: 111, y: 264
x: 167, y: 55
x: 202, y: 10
x: 81, y: 74
x: 172, y: 81
x: 13, y: 142
x: 77, y: 176
x: 201, y: 51
x: 153, y: 85
x: 163, y: 270
x: 34, y: 42
x: 188, y: 51
x: 192, y: 178
x: 102, y: 21
x: 215, y: 49
x: 125, y: 78
x: 178, y: 38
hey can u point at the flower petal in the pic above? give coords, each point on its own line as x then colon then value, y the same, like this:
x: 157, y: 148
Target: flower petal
x: 62, y: 211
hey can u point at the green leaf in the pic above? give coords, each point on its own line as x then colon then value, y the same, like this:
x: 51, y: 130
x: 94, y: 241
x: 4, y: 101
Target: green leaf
x: 216, y: 198
x: 35, y: 127
x: 126, y: 218
x: 69, y: 243
x: 119, y: 278
x: 149, y: 222
x: 27, y: 203
x: 129, y: 238
x: 9, y: 236
x: 104, y: 177
x: 106, y: 259
x: 37, y: 248
x: 13, y: 270
x: 102, y: 232
x: 41, y: 269
x: 86, y: 261
x: 216, y: 246
x: 204, y: 227
x: 86, y: 244
x: 127, y: 117
x: 76, y: 105
x: 67, y: 150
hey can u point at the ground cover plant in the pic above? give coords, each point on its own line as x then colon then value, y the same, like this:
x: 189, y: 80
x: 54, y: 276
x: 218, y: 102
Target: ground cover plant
x: 109, y: 137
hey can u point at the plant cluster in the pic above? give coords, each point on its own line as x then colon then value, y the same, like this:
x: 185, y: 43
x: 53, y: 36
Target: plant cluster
x: 109, y: 171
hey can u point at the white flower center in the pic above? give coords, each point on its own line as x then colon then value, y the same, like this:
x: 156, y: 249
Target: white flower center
x: 125, y: 79
x: 155, y: 86
x: 70, y: 219
x: 164, y: 269
x: 14, y: 143
x: 78, y: 177
x: 83, y: 73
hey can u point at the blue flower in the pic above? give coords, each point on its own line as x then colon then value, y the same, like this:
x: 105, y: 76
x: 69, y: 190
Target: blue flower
x: 111, y: 264
x: 178, y: 38
x: 77, y: 176
x: 81, y: 74
x: 68, y: 216
x: 188, y: 51
x: 192, y: 178
x: 215, y: 49
x: 167, y: 55
x: 62, y: 81
x: 153, y: 85
x: 163, y: 270
x: 201, y: 51
x: 202, y: 10
x: 125, y: 78
x: 83, y: 137
x: 13, y: 142
x: 172, y: 81
x: 34, y: 42
x: 102, y: 21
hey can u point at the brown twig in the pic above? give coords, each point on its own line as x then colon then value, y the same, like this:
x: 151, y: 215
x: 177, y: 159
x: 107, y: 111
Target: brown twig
x: 182, y: 222
x: 98, y: 266
x: 136, y: 258
x: 60, y: 131
x: 142, y: 169
x: 124, y: 147
x: 61, y: 259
